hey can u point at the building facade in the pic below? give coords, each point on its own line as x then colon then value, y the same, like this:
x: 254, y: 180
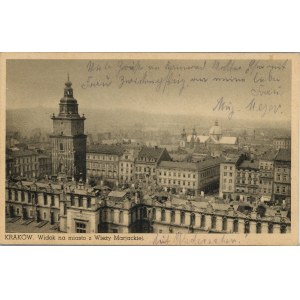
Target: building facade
x: 282, y: 177
x: 22, y: 163
x: 79, y: 208
x: 45, y: 165
x: 147, y: 162
x: 228, y: 178
x: 247, y: 181
x: 189, y: 177
x: 266, y: 175
x: 68, y: 138
x: 282, y: 143
x: 103, y: 163
x: 127, y: 166
x: 179, y: 177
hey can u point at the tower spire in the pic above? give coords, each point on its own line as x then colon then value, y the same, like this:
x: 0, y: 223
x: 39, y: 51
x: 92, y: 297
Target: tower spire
x: 68, y: 77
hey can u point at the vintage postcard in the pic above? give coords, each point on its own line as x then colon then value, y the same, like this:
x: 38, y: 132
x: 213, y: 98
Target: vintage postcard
x: 149, y: 148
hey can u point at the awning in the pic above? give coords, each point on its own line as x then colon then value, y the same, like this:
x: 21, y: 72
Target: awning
x: 265, y: 198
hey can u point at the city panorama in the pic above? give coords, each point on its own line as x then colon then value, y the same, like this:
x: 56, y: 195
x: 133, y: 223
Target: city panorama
x: 141, y: 146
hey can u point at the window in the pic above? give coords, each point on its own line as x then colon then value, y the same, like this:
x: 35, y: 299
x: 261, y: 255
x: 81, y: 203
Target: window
x: 163, y: 215
x: 202, y: 222
x: 172, y: 216
x: 258, y: 227
x: 121, y: 217
x: 52, y: 200
x: 182, y: 217
x: 225, y: 173
x: 213, y: 222
x: 153, y: 213
x: 89, y: 202
x: 61, y: 146
x: 235, y: 226
x: 22, y: 196
x: 80, y: 201
x: 283, y: 228
x: 192, y: 220
x: 80, y: 227
x: 16, y: 196
x: 225, y: 167
x: 72, y: 200
x: 45, y: 199
x: 224, y: 224
x: 112, y: 215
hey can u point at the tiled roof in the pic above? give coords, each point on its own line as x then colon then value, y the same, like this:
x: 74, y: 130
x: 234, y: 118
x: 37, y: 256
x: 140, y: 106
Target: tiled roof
x: 150, y: 152
x: 249, y: 164
x: 21, y: 153
x: 283, y: 155
x: 270, y: 155
x: 209, y: 162
x: 117, y: 194
x: 190, y: 165
x: 179, y: 165
x: 231, y: 160
x: 230, y: 140
x: 106, y: 149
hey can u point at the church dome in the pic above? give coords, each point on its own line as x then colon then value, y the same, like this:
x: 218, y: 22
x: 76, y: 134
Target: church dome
x: 216, y: 129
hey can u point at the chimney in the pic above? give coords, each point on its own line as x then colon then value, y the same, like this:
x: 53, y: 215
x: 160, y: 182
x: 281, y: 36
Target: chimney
x: 277, y: 216
x: 230, y: 210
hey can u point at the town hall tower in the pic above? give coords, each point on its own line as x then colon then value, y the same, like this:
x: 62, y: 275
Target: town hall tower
x: 68, y: 138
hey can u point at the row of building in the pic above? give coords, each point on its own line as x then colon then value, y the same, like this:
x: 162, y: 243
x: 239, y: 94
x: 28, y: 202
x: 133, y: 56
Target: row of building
x: 28, y: 163
x: 152, y: 165
x: 82, y: 209
x: 266, y: 179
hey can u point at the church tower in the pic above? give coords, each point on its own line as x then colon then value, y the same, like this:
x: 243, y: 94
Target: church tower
x: 68, y: 138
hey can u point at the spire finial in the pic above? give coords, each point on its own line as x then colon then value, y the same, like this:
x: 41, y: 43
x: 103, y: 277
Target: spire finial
x: 68, y: 77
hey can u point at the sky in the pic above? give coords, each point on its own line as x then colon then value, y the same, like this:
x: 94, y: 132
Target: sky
x: 237, y: 89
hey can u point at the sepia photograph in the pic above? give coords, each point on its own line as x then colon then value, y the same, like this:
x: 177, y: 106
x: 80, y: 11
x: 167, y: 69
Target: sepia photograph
x: 155, y: 149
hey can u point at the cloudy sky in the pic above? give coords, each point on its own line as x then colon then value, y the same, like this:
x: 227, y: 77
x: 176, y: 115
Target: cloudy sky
x: 239, y: 89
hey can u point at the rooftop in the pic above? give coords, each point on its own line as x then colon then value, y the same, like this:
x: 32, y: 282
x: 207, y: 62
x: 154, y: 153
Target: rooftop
x: 195, y: 166
x: 179, y: 165
x: 283, y: 155
x: 249, y: 165
x: 117, y: 194
x: 106, y: 149
x: 151, y: 152
x: 269, y: 155
x: 21, y: 153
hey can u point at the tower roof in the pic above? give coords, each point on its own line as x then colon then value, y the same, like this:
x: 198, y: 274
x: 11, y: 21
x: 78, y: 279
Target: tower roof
x: 216, y: 129
x: 68, y: 83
